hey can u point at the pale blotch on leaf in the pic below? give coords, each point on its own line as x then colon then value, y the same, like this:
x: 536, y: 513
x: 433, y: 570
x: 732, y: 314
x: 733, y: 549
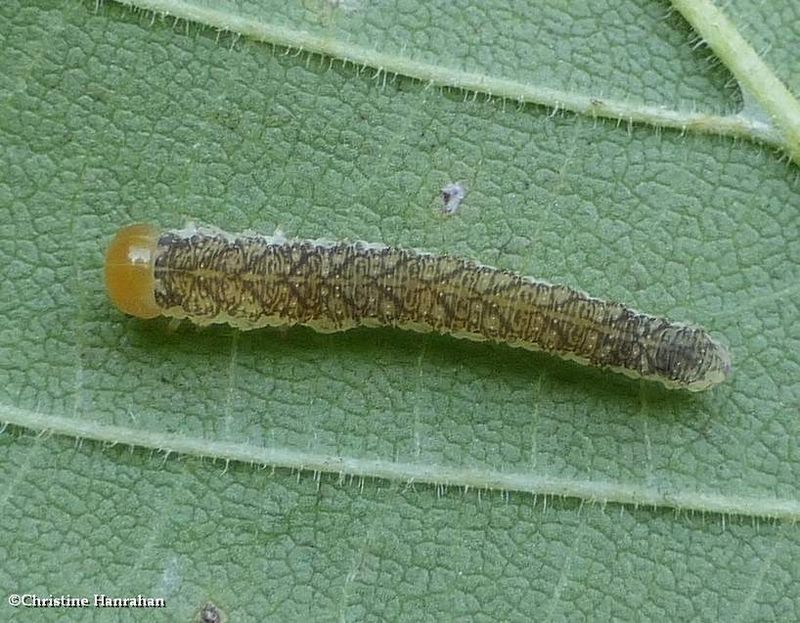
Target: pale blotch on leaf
x: 209, y: 613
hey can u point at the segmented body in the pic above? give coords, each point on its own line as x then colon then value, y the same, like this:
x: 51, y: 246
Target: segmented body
x: 252, y: 281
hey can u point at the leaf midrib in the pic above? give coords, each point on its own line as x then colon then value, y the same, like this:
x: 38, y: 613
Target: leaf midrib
x: 740, y: 124
x: 409, y: 472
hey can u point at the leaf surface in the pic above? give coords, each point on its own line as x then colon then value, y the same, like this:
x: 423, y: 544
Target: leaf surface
x: 408, y: 477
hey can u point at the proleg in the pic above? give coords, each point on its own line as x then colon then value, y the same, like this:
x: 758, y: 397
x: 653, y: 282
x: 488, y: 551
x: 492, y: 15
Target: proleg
x: 251, y: 281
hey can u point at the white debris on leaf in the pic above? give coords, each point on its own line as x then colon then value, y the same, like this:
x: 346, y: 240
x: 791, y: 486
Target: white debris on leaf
x: 452, y: 196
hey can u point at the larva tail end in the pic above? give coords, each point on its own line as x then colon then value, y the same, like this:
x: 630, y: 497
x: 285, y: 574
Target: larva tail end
x: 718, y: 370
x: 129, y: 270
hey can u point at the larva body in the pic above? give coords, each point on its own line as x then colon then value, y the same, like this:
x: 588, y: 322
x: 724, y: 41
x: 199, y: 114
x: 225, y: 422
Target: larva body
x: 252, y: 281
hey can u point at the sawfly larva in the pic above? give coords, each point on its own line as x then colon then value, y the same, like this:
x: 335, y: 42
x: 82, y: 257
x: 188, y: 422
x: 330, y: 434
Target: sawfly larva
x: 251, y: 281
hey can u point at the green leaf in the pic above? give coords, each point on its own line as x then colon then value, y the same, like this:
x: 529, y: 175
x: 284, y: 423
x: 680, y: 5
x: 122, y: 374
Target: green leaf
x: 376, y: 474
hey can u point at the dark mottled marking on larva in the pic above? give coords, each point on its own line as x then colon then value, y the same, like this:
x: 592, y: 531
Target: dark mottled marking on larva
x: 250, y: 281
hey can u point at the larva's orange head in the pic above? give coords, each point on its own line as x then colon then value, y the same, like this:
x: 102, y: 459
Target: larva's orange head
x: 129, y: 270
